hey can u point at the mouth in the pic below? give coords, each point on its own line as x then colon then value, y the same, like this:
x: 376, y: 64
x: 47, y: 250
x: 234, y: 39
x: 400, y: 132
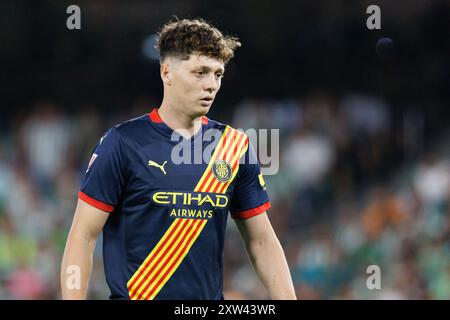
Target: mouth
x: 206, y: 100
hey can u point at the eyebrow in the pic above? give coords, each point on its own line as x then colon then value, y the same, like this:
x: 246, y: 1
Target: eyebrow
x: 207, y: 69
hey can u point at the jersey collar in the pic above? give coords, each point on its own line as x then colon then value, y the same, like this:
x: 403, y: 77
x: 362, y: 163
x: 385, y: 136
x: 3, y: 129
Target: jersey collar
x: 154, y: 116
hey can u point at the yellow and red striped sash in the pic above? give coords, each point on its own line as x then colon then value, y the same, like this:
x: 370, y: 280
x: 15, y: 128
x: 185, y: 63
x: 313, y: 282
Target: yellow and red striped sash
x: 176, y: 242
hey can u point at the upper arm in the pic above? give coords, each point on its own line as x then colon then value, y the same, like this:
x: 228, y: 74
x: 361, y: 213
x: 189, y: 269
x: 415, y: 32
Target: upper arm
x: 104, y: 180
x: 257, y: 228
x: 88, y: 221
x: 250, y: 197
x: 101, y: 186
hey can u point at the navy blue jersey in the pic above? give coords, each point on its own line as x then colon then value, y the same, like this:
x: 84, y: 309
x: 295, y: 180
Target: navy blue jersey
x: 165, y: 234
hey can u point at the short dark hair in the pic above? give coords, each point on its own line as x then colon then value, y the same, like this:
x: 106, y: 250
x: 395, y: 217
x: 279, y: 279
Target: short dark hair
x: 180, y: 38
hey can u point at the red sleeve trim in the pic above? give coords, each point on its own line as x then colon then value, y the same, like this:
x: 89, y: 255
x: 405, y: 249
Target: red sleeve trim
x: 251, y: 212
x: 95, y: 203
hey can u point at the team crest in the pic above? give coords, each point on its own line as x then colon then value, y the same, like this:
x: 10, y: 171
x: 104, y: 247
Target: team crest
x: 222, y: 170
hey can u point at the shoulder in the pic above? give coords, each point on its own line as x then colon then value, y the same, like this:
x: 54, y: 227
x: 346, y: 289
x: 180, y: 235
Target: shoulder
x: 132, y: 127
x: 123, y: 133
x: 213, y: 124
x: 231, y: 138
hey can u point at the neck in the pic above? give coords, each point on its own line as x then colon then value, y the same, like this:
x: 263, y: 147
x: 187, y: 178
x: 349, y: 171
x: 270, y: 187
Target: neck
x: 178, y: 121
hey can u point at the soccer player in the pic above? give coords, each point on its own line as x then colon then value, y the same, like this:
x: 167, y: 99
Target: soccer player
x: 164, y: 222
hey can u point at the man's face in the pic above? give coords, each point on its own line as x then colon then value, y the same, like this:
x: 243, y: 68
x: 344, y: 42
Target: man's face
x: 192, y: 84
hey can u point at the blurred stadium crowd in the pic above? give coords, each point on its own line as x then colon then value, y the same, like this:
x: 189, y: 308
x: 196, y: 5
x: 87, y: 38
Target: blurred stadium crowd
x: 341, y: 201
x: 364, y: 176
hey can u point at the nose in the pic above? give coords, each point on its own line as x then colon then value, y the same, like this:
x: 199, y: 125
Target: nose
x: 210, y: 84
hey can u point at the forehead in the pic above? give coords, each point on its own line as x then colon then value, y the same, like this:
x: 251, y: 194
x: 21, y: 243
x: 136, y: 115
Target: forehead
x: 202, y: 61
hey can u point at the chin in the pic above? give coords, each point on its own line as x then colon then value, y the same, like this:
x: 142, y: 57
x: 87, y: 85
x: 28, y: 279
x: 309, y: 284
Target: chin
x: 202, y: 111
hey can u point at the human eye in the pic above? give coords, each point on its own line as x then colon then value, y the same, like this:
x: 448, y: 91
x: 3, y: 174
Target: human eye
x: 199, y: 73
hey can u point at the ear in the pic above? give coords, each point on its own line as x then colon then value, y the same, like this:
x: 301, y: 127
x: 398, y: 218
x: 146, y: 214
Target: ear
x: 165, y: 73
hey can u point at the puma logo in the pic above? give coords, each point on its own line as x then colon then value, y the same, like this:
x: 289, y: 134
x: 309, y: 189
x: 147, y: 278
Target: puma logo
x: 154, y: 164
